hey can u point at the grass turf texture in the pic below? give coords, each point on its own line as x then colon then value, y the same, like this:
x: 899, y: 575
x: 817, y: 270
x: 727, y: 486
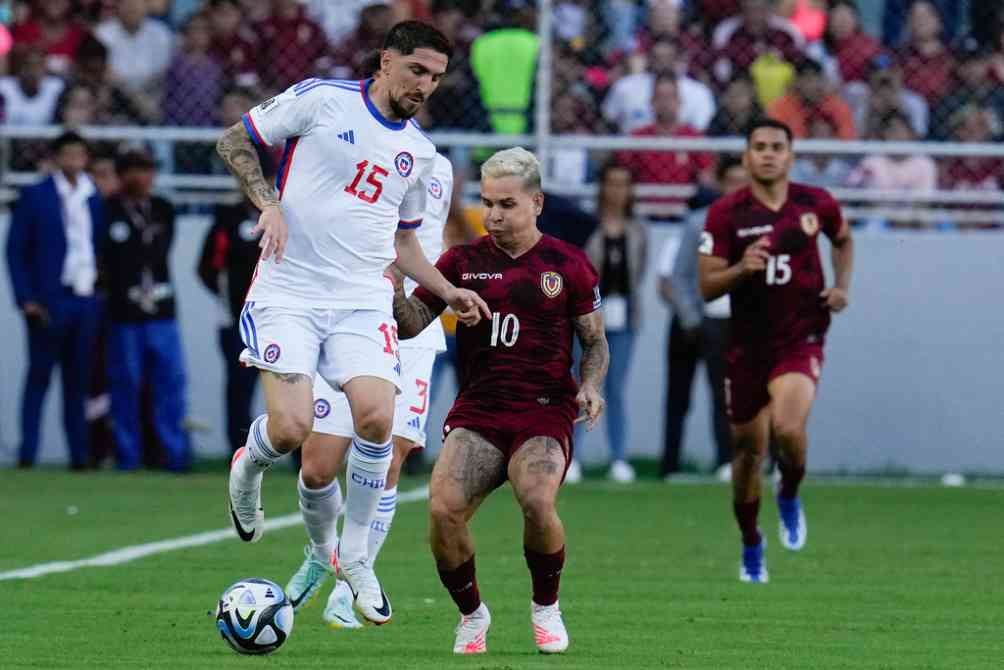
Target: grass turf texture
x: 891, y: 578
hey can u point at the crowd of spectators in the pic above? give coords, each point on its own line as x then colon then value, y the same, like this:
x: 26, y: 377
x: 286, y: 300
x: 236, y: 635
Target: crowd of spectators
x: 831, y: 69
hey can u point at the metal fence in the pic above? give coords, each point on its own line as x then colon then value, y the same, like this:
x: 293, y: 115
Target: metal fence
x: 898, y: 105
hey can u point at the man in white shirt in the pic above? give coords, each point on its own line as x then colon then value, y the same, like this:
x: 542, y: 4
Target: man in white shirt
x: 350, y: 197
x: 628, y: 105
x: 30, y: 95
x: 51, y: 257
x: 139, y: 48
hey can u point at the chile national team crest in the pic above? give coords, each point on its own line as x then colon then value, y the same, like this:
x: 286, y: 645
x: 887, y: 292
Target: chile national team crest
x: 435, y: 188
x: 272, y: 353
x: 404, y: 162
x: 550, y: 284
x: 322, y: 408
x: 810, y: 223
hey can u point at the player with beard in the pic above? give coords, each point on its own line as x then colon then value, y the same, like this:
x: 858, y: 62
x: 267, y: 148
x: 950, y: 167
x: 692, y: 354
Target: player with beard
x: 347, y: 201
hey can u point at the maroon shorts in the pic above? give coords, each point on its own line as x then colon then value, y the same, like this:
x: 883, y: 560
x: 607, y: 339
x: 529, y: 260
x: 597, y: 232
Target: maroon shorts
x: 749, y: 374
x: 509, y: 429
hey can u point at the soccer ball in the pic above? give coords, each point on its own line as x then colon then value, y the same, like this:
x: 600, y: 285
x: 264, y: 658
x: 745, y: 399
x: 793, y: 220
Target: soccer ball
x: 254, y: 616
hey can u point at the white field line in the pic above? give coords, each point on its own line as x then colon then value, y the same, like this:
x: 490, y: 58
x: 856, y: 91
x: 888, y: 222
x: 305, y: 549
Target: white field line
x: 137, y: 551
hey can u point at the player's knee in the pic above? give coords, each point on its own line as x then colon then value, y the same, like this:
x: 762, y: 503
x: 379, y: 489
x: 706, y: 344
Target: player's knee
x: 374, y: 423
x: 787, y: 429
x: 445, y: 512
x: 288, y: 430
x: 538, y: 507
x: 315, y: 476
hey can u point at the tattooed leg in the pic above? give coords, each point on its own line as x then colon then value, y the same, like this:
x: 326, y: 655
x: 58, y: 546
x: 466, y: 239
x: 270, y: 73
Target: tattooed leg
x: 467, y: 470
x: 535, y: 472
x: 289, y: 403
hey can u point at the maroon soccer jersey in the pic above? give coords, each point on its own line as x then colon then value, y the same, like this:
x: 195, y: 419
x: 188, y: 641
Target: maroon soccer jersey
x: 781, y: 306
x: 522, y: 356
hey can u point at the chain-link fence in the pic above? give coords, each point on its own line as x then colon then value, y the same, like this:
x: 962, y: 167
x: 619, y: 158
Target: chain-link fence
x: 884, y: 70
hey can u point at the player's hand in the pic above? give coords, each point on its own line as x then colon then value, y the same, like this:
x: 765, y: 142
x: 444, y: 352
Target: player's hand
x: 396, y: 277
x: 755, y: 257
x: 591, y: 403
x: 274, y: 233
x: 468, y: 305
x: 835, y: 299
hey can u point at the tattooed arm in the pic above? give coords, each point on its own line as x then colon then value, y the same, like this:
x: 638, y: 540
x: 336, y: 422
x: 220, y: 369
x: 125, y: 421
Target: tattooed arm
x: 237, y: 151
x: 593, y: 368
x: 412, y: 315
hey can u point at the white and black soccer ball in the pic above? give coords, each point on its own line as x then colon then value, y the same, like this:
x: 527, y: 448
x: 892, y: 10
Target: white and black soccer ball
x: 254, y: 616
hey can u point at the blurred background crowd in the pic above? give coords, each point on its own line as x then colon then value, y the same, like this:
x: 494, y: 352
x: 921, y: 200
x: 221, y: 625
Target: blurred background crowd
x: 895, y: 70
x: 645, y: 93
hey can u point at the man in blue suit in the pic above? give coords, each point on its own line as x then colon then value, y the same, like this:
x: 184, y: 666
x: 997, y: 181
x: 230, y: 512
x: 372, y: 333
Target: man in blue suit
x: 55, y: 229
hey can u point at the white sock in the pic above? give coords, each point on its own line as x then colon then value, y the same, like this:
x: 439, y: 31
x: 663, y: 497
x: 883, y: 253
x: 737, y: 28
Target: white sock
x: 319, y: 508
x: 365, y: 477
x: 260, y: 452
x: 380, y: 526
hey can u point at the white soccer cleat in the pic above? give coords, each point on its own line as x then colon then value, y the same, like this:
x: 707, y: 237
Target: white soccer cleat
x: 791, y: 523
x: 621, y: 472
x: 244, y: 503
x: 369, y: 597
x: 574, y: 474
x: 338, y: 612
x: 549, y: 632
x: 307, y: 580
x: 472, y: 632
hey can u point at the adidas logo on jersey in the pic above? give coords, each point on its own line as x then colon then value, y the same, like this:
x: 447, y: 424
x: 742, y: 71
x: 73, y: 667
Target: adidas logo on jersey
x: 349, y: 136
x: 415, y: 423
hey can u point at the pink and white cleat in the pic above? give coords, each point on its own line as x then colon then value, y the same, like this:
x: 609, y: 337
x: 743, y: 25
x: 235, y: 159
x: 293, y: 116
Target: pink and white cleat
x: 548, y: 628
x: 472, y: 632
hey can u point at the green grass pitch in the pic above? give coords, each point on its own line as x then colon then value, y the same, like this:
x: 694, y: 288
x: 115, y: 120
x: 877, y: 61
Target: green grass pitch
x: 906, y: 578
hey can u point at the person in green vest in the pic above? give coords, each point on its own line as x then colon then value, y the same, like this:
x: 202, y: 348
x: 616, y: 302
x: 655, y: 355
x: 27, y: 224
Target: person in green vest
x: 504, y: 60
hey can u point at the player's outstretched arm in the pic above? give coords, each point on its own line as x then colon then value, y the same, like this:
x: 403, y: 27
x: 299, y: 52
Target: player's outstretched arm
x: 412, y: 315
x: 237, y: 151
x: 842, y: 257
x: 411, y: 261
x: 593, y: 368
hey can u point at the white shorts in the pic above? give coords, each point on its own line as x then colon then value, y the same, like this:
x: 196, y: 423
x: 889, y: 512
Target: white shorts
x: 337, y: 344
x: 331, y: 408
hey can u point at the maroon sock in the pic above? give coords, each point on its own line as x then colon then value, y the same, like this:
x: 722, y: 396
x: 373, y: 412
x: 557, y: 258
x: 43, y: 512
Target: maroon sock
x: 746, y: 514
x: 791, y: 477
x: 463, y: 586
x: 545, y: 573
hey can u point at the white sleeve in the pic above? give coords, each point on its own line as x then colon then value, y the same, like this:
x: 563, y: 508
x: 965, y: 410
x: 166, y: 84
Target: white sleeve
x: 290, y: 114
x: 667, y: 256
x: 413, y: 206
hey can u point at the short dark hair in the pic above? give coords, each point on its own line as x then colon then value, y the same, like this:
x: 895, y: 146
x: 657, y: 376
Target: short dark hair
x: 609, y: 166
x: 407, y: 36
x: 768, y: 123
x: 726, y: 163
x: 67, y: 138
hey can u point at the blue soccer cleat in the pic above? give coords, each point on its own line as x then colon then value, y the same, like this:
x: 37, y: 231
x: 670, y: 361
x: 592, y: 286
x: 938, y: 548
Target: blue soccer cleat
x: 791, y: 525
x: 753, y: 568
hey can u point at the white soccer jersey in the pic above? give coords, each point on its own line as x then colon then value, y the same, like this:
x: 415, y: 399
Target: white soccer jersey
x: 438, y: 194
x: 348, y: 178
